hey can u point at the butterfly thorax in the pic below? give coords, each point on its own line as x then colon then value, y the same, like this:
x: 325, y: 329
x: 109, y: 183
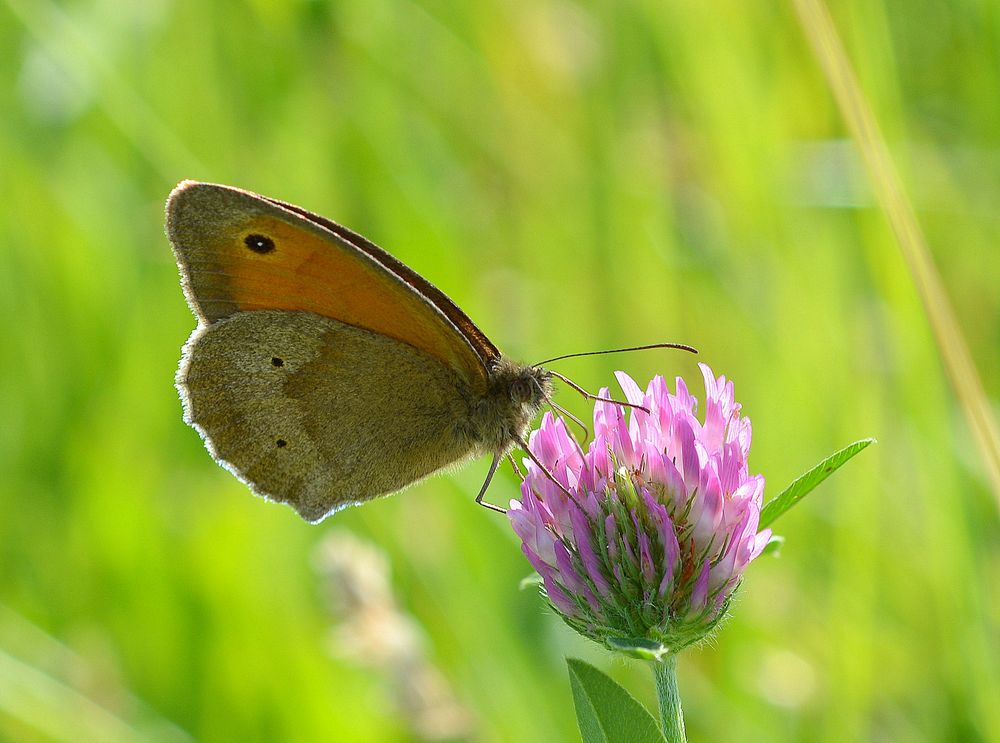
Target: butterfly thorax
x: 515, y: 393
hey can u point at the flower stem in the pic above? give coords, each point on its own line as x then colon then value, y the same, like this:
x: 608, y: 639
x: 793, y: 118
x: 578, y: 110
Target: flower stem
x: 670, y: 699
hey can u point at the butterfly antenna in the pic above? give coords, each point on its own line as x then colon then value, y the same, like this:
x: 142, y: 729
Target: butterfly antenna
x: 679, y: 346
x: 598, y: 398
x: 486, y: 485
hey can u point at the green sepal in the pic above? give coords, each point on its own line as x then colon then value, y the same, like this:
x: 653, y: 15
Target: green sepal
x: 773, y: 546
x: 529, y: 581
x: 637, y: 647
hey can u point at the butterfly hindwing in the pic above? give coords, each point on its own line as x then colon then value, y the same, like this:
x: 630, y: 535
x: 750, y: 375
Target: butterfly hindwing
x: 307, y: 409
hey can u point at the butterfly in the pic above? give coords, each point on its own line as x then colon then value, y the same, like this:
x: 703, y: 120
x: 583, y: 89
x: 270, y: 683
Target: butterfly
x: 324, y: 372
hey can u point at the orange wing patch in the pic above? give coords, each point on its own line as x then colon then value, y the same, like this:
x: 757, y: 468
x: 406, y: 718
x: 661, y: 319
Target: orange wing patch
x: 239, y: 252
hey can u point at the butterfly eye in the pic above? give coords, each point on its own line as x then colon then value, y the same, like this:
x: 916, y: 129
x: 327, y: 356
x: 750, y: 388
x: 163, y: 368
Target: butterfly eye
x: 520, y: 390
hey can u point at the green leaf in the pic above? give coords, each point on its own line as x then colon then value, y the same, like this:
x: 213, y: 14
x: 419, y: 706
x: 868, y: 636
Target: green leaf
x: 804, y: 484
x: 605, y: 711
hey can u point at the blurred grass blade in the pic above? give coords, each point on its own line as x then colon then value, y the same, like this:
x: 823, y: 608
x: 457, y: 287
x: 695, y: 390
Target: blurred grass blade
x: 827, y: 46
x: 804, y: 484
x: 70, y: 46
x: 58, y: 712
x: 40, y: 680
x: 46, y: 705
x: 606, y: 712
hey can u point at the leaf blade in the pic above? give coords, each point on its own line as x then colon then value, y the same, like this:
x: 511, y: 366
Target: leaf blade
x: 806, y: 482
x: 605, y: 711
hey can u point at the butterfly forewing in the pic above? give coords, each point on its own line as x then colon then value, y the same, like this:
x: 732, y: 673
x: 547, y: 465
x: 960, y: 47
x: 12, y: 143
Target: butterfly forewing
x: 241, y: 252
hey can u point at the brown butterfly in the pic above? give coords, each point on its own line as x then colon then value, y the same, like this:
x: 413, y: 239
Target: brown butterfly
x: 324, y: 372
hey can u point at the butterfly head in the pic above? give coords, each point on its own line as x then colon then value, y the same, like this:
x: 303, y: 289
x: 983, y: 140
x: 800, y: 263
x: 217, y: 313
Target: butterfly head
x: 515, y: 396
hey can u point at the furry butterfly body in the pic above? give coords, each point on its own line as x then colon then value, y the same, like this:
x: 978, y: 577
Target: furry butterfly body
x: 323, y: 372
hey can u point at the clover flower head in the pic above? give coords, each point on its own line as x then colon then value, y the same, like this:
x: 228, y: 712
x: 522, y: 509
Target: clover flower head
x: 645, y: 538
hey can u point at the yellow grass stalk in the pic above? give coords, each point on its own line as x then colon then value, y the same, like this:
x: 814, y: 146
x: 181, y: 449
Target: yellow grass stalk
x: 829, y: 50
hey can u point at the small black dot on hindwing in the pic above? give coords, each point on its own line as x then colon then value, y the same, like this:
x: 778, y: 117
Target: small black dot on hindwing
x: 276, y: 361
x: 259, y: 243
x: 281, y: 443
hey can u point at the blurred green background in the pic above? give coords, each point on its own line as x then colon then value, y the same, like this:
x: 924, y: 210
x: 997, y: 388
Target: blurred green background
x: 576, y: 176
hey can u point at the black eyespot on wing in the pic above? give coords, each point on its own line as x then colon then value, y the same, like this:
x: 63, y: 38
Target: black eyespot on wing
x: 259, y: 243
x: 281, y: 443
x: 275, y: 361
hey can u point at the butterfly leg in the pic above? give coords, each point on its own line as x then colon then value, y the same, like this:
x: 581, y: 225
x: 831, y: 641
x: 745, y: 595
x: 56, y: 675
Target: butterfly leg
x: 486, y: 485
x: 517, y: 470
x: 545, y: 470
